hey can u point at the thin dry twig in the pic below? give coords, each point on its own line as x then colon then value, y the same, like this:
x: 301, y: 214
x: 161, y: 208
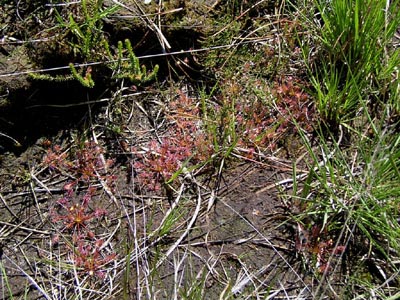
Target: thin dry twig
x: 30, y: 278
x: 6, y: 206
x: 28, y: 229
x: 185, y: 233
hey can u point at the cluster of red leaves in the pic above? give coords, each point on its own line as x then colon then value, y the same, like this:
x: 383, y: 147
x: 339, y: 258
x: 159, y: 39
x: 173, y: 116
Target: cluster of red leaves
x: 293, y: 104
x: 73, y: 214
x: 160, y: 162
x: 186, y: 117
x: 256, y: 124
x: 261, y: 124
x: 321, y: 249
x: 185, y: 142
x: 75, y: 218
x: 89, y: 259
x: 87, y: 164
x: 56, y: 159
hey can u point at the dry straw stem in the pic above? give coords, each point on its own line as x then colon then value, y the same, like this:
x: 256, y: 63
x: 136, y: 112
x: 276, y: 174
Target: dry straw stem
x: 185, y: 233
x: 24, y: 228
x: 163, y: 41
x: 37, y: 285
x: 16, y: 143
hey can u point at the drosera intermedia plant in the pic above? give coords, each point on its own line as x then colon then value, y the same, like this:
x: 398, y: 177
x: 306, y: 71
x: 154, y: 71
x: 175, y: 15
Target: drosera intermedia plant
x: 76, y: 233
x: 185, y: 145
x: 75, y: 216
x: 316, y: 247
x: 202, y: 132
x: 267, y: 122
x: 159, y: 162
x: 89, y: 258
x: 86, y: 165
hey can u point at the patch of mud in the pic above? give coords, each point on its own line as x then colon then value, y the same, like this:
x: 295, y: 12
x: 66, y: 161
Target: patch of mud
x: 244, y: 243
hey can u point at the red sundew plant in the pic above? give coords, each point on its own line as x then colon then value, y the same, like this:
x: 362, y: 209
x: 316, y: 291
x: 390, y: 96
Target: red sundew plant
x: 184, y: 108
x: 321, y: 249
x: 186, y: 142
x: 293, y: 105
x: 187, y: 127
x: 256, y: 124
x: 75, y: 216
x: 90, y: 260
x: 160, y: 162
x: 260, y: 123
x: 73, y: 213
x: 56, y: 159
x: 89, y: 163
